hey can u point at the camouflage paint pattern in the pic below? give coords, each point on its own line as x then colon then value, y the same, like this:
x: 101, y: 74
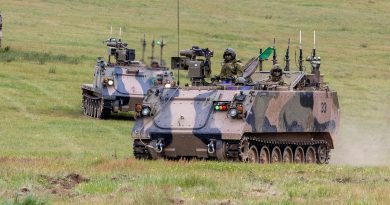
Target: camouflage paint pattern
x: 130, y: 84
x: 186, y: 120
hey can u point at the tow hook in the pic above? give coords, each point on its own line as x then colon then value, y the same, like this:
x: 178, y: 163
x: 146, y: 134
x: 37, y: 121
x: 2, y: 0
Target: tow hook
x: 159, y: 146
x: 211, y: 148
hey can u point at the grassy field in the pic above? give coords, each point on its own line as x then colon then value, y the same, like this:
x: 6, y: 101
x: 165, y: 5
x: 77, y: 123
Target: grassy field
x: 51, y: 154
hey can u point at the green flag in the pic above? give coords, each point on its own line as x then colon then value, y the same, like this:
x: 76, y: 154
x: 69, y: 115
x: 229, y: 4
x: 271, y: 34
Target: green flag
x: 264, y: 55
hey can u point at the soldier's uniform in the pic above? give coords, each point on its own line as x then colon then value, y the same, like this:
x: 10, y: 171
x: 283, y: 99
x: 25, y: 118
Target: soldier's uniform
x: 276, y: 75
x: 232, y: 67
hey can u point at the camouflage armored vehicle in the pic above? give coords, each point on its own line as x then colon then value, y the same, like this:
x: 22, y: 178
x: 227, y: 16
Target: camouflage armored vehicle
x: 277, y: 116
x: 121, y: 84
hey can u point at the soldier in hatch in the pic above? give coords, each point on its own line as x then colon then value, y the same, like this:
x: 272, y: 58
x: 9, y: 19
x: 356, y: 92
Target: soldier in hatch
x: 232, y: 67
x: 154, y: 64
x: 276, y: 75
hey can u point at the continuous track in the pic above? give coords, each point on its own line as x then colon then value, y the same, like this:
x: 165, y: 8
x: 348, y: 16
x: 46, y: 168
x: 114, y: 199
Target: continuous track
x: 96, y: 107
x: 258, y: 150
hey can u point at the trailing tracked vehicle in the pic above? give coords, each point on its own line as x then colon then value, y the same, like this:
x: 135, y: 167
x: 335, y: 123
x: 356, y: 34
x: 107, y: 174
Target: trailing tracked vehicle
x: 121, y: 84
x: 274, y: 116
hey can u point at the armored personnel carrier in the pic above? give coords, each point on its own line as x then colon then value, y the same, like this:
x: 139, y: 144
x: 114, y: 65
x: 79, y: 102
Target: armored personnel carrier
x: 276, y: 116
x: 121, y: 84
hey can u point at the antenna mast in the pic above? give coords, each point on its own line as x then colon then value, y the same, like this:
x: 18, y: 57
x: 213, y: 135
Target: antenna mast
x: 178, y: 42
x: 274, y: 61
x: 300, y: 52
x: 143, y: 49
x: 287, y: 57
x: 162, y: 44
x: 153, y: 44
x: 314, y: 44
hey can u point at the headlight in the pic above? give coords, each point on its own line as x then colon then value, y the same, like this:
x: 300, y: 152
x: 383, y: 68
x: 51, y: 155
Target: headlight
x: 233, y: 112
x: 138, y: 108
x: 145, y: 111
x: 110, y: 82
x: 168, y: 85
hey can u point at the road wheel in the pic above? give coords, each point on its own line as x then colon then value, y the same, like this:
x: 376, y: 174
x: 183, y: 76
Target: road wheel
x: 288, y: 155
x: 276, y: 155
x: 253, y: 155
x: 264, y: 156
x: 310, y: 155
x: 299, y: 156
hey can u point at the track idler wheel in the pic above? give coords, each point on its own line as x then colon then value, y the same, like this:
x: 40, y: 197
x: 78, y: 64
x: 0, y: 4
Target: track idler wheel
x: 322, y: 154
x: 220, y: 150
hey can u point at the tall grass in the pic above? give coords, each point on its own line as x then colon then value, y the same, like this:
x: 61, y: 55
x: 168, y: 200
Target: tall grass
x: 28, y: 200
x: 9, y: 55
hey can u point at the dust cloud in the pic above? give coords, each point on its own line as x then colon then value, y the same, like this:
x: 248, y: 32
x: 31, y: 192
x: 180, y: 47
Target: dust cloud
x: 362, y: 144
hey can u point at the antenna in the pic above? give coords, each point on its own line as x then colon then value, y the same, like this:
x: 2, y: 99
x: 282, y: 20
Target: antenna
x: 178, y: 42
x: 111, y: 32
x: 162, y: 44
x: 300, y: 52
x: 153, y: 44
x: 287, y: 57
x: 260, y: 60
x: 120, y: 32
x: 143, y: 49
x: 274, y: 61
x: 314, y: 43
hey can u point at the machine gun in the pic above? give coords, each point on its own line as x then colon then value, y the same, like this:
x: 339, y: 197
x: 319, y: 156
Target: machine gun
x: 198, y: 68
x: 122, y: 54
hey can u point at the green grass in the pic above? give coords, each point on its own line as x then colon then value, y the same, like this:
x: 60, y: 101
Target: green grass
x: 53, y: 47
x: 9, y: 55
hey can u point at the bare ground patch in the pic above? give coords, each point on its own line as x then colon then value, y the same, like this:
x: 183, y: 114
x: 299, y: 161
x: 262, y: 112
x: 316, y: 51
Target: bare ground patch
x: 63, y: 186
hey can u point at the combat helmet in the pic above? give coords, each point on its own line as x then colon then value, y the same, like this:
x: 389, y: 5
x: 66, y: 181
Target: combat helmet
x: 276, y: 72
x: 229, y: 51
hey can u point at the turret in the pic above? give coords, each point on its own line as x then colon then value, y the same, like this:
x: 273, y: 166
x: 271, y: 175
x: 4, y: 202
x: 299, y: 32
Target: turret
x: 198, y: 69
x: 122, y: 54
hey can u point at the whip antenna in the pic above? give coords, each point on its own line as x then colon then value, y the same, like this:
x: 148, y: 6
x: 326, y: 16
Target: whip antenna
x: 178, y: 43
x: 300, y: 52
x: 314, y: 43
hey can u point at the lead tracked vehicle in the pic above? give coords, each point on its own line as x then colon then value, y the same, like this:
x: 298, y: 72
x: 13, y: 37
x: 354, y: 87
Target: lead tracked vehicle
x: 276, y: 116
x: 121, y: 84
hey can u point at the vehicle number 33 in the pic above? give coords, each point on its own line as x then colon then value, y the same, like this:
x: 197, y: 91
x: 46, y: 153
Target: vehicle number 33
x: 323, y: 107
